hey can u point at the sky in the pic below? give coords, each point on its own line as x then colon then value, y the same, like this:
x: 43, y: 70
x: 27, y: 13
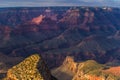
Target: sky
x: 39, y: 3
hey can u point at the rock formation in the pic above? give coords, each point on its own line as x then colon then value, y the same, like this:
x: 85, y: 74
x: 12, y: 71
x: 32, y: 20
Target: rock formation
x: 32, y: 68
x: 88, y: 70
x: 48, y: 13
x: 70, y: 64
x: 88, y: 17
x: 68, y: 69
x: 91, y: 17
x: 71, y: 17
x: 38, y: 20
x: 114, y: 70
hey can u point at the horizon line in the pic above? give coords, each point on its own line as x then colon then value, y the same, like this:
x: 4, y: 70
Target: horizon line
x: 58, y: 6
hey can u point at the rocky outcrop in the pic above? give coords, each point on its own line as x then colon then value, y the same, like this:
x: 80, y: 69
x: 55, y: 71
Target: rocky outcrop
x: 71, y: 17
x: 32, y: 68
x: 67, y: 69
x: 50, y: 14
x: 88, y: 17
x: 91, y: 70
x: 88, y: 70
x: 70, y: 64
x: 114, y: 70
x: 86, y: 67
x: 38, y: 20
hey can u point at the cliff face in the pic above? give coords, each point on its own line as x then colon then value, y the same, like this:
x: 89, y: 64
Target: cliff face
x: 32, y: 68
x: 70, y: 64
x: 88, y: 70
x: 68, y: 69
x: 38, y: 20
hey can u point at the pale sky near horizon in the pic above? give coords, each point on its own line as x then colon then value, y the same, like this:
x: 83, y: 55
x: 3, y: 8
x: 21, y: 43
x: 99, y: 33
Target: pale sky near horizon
x: 39, y: 3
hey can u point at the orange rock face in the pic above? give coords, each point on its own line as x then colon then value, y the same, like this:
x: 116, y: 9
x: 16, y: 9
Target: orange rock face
x: 90, y: 77
x: 38, y: 20
x: 114, y: 71
x: 95, y: 78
